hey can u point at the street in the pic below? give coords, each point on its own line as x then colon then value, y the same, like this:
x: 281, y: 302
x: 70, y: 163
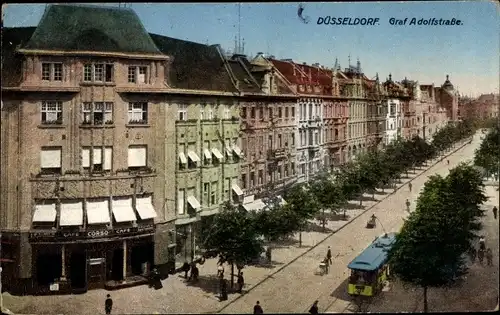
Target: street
x: 289, y: 285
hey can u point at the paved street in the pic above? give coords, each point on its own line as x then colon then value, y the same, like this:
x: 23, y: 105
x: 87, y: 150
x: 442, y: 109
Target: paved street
x: 290, y: 289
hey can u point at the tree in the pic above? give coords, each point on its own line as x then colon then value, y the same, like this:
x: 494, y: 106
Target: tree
x: 302, y: 204
x: 430, y: 249
x: 487, y: 155
x: 233, y: 235
x: 276, y: 221
x: 327, y: 194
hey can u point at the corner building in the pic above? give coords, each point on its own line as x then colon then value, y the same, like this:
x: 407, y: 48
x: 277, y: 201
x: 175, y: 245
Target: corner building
x: 80, y: 154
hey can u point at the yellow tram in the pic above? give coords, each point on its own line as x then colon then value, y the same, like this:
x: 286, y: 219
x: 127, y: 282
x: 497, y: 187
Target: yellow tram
x: 369, y: 270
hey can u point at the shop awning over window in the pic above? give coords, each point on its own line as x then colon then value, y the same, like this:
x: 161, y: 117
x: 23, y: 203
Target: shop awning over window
x: 237, y: 190
x: 71, y: 214
x: 256, y: 205
x: 208, y: 154
x: 193, y: 156
x: 98, y: 212
x: 217, y: 154
x: 193, y: 202
x: 145, y: 208
x: 122, y: 210
x: 237, y: 150
x: 182, y: 158
x: 45, y: 213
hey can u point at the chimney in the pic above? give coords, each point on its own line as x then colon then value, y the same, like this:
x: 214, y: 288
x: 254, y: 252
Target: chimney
x: 272, y: 57
x: 304, y: 63
x: 260, y: 53
x: 316, y: 65
x: 287, y: 60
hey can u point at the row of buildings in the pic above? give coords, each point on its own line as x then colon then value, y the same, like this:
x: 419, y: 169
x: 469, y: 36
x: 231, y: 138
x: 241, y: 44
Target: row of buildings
x: 118, y: 146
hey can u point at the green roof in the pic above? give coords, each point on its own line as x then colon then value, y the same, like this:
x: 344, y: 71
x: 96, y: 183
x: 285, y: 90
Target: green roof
x: 91, y: 28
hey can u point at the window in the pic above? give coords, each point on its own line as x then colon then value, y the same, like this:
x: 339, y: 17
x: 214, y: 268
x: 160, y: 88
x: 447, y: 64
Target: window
x: 206, y: 191
x: 261, y: 177
x: 50, y: 160
x: 52, y: 71
x: 292, y: 139
x: 97, y: 113
x: 93, y: 157
x: 280, y: 144
x: 293, y: 112
x: 137, y: 157
x: 280, y: 114
x: 261, y: 113
x: 271, y: 117
x: 286, y: 112
x: 252, y: 113
x: 182, y: 112
x: 244, y: 113
x: 213, y: 193
x: 137, y: 74
x: 227, y: 112
x: 270, y: 142
x: 180, y: 201
x: 210, y: 112
x: 252, y: 179
x: 98, y: 72
x: 137, y: 113
x: 51, y: 112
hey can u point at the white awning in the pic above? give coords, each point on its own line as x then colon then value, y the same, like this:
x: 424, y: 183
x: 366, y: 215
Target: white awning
x: 71, y: 214
x: 248, y: 199
x: 145, y: 208
x: 183, y: 221
x: 237, y: 150
x: 193, y: 202
x: 45, y: 213
x: 183, y: 158
x: 237, y: 190
x: 193, y: 156
x: 282, y: 201
x: 122, y: 210
x: 256, y: 205
x: 208, y: 154
x: 217, y: 154
x: 98, y: 212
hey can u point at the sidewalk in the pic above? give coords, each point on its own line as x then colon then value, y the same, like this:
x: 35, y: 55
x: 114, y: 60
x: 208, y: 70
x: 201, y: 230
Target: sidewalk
x: 180, y: 297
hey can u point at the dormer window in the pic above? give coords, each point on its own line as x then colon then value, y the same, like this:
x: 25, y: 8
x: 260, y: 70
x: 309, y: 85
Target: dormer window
x: 98, y: 72
x: 52, y: 71
x: 137, y: 74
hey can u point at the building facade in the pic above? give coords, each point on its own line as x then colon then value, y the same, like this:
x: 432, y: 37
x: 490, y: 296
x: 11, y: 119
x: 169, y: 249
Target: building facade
x: 447, y: 97
x: 393, y: 121
x: 268, y: 130
x: 80, y: 155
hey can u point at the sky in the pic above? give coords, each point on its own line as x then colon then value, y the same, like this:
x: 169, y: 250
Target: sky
x: 468, y: 53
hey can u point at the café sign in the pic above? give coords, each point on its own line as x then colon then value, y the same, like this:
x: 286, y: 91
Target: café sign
x: 90, y: 234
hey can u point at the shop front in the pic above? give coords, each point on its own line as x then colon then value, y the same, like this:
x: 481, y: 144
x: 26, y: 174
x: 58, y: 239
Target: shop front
x: 69, y: 262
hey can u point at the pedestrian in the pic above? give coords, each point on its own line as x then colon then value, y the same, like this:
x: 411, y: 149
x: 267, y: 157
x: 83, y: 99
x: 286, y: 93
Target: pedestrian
x: 489, y: 257
x: 223, y: 290
x: 407, y: 205
x: 326, y: 264
x: 473, y: 254
x: 194, y: 273
x: 495, y: 212
x: 241, y: 282
x: 410, y: 186
x: 329, y: 255
x: 480, y: 255
x: 448, y: 161
x: 314, y: 308
x: 257, y: 309
x: 482, y: 243
x: 185, y: 268
x: 108, y: 305
x: 220, y: 271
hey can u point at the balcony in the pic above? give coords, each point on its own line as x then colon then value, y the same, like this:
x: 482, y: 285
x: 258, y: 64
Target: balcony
x: 276, y: 154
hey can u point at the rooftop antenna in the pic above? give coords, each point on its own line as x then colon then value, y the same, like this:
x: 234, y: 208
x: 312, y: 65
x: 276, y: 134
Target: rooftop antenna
x: 243, y: 47
x: 239, y: 28
x: 349, y: 61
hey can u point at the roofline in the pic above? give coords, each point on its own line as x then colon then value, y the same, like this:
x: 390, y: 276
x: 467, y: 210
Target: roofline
x: 93, y: 53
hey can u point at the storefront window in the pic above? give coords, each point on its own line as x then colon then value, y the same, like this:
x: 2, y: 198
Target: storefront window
x: 183, y: 248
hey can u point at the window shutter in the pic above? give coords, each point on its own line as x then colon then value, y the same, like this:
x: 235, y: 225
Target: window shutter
x: 50, y: 158
x: 108, y: 158
x: 97, y: 158
x: 85, y: 157
x: 137, y: 156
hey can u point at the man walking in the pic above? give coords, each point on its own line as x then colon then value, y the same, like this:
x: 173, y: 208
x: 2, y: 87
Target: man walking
x: 495, y: 212
x: 407, y: 205
x: 108, y: 305
x: 329, y: 255
x: 314, y: 308
x: 240, y: 282
x: 410, y: 186
x: 257, y: 309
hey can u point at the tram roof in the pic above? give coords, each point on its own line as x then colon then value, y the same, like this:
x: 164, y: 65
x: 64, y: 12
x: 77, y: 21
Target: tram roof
x: 374, y: 255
